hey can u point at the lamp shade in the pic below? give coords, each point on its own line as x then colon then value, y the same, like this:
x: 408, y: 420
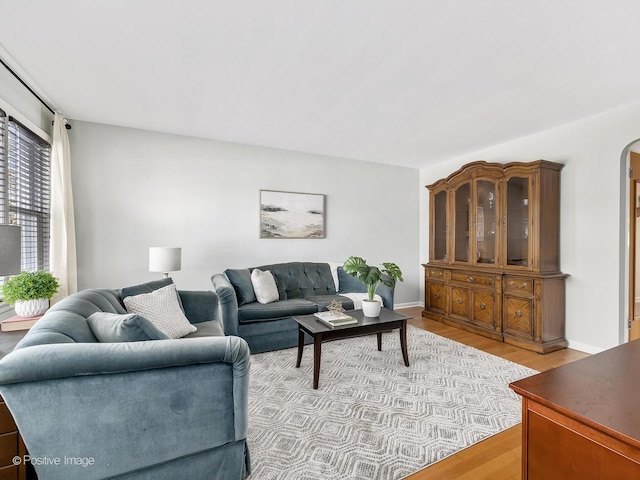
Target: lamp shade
x: 165, y: 259
x: 10, y: 245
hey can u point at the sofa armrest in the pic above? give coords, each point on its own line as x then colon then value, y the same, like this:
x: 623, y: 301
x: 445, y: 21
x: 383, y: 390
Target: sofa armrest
x: 228, y: 303
x: 199, y: 306
x: 150, y: 403
x: 387, y: 294
x: 350, y: 284
x: 61, y: 360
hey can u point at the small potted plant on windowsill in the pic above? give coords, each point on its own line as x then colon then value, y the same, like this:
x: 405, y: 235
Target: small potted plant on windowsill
x: 372, y: 276
x: 30, y: 292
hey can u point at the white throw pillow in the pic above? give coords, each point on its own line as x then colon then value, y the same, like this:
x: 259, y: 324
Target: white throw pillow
x: 161, y: 308
x: 264, y: 285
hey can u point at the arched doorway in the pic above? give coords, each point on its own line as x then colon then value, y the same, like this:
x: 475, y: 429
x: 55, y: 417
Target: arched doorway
x: 630, y: 224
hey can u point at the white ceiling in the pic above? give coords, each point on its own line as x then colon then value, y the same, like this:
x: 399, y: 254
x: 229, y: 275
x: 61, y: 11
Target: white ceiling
x: 390, y: 81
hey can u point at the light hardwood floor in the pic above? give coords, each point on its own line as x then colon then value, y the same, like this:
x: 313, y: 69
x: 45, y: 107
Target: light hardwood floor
x: 498, y: 457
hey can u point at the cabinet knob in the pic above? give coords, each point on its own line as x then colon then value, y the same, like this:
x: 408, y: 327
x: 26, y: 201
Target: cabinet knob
x: 518, y: 313
x: 459, y: 300
x: 436, y: 296
x: 483, y: 306
x: 469, y: 279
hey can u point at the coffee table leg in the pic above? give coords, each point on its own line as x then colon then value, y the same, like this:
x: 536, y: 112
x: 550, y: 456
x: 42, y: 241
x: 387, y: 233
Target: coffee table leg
x: 379, y: 341
x: 300, y: 346
x: 403, y: 342
x: 317, y: 351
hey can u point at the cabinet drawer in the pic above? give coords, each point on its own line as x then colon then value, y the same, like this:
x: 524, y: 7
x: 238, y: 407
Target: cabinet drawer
x: 460, y: 302
x: 435, y: 273
x: 518, y: 316
x: 518, y: 285
x: 11, y: 472
x: 483, y: 310
x: 436, y: 297
x: 473, y: 279
x: 6, y: 420
x: 8, y: 448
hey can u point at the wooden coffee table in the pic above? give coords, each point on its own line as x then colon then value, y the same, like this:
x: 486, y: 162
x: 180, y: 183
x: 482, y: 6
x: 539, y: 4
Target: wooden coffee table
x: 320, y: 332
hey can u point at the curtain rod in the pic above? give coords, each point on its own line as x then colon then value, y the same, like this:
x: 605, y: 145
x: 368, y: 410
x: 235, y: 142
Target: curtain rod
x: 67, y: 126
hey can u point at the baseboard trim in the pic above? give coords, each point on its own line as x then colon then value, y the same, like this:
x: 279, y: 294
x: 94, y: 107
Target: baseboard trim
x: 397, y: 306
x: 583, y: 347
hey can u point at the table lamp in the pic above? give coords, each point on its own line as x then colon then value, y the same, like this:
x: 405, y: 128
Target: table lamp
x: 10, y: 246
x: 165, y: 260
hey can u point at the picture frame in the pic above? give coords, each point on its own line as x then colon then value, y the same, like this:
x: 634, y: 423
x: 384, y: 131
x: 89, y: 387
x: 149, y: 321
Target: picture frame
x: 292, y: 215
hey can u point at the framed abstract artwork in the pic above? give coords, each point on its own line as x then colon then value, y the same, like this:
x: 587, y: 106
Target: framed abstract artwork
x: 291, y: 214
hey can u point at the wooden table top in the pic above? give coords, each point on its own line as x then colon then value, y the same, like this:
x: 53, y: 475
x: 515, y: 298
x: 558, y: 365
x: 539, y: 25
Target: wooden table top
x: 602, y: 391
x: 314, y: 325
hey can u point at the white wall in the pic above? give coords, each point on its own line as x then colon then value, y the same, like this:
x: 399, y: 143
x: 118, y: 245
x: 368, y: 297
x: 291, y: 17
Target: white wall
x: 591, y: 249
x: 134, y: 189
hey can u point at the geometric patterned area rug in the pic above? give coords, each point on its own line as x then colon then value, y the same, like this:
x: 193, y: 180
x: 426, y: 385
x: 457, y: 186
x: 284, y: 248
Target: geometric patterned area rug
x: 372, y: 417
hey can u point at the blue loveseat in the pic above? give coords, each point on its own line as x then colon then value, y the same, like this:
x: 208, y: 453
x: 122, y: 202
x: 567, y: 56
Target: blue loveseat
x: 303, y: 288
x: 158, y: 409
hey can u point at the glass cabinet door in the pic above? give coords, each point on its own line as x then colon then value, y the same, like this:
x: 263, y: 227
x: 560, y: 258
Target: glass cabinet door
x: 518, y: 221
x: 485, y: 222
x: 462, y: 221
x: 440, y: 226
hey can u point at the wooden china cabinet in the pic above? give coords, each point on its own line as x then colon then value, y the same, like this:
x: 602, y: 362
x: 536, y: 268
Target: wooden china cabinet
x: 494, y: 253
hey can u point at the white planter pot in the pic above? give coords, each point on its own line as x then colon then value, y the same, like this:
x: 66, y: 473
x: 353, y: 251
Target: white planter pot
x: 31, y: 308
x: 371, y: 308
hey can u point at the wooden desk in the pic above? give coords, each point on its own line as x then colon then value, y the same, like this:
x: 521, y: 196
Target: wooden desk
x: 582, y: 420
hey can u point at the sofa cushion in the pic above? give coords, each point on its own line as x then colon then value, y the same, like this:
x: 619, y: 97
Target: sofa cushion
x: 207, y: 329
x: 161, y: 307
x: 302, y: 279
x: 148, y: 287
x: 257, y: 312
x: 323, y: 301
x: 264, y: 286
x: 114, y: 327
x: 240, y: 278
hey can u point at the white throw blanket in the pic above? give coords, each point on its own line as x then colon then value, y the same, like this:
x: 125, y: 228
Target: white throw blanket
x: 334, y: 273
x: 357, y: 298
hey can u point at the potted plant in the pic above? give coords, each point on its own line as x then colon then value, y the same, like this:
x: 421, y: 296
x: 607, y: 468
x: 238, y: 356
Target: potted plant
x: 372, y: 276
x: 30, y: 292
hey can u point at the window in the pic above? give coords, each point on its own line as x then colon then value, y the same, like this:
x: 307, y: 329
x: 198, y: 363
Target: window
x: 25, y: 189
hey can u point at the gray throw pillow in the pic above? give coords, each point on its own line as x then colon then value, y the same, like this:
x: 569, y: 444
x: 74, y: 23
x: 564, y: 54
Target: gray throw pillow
x: 162, y: 309
x: 114, y: 328
x: 240, y: 278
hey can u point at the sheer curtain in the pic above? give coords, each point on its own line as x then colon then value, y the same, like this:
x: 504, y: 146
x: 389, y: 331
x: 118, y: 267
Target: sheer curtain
x: 62, y: 256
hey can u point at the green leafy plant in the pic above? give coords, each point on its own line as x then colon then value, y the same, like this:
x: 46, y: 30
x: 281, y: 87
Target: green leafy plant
x: 372, y: 276
x: 29, y: 286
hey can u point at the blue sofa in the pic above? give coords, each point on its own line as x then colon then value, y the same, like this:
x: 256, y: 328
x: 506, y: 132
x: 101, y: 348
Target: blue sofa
x: 158, y: 409
x: 303, y: 288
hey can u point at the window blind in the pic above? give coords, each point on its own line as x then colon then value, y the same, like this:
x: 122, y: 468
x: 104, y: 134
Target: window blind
x: 25, y: 188
x: 3, y: 169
